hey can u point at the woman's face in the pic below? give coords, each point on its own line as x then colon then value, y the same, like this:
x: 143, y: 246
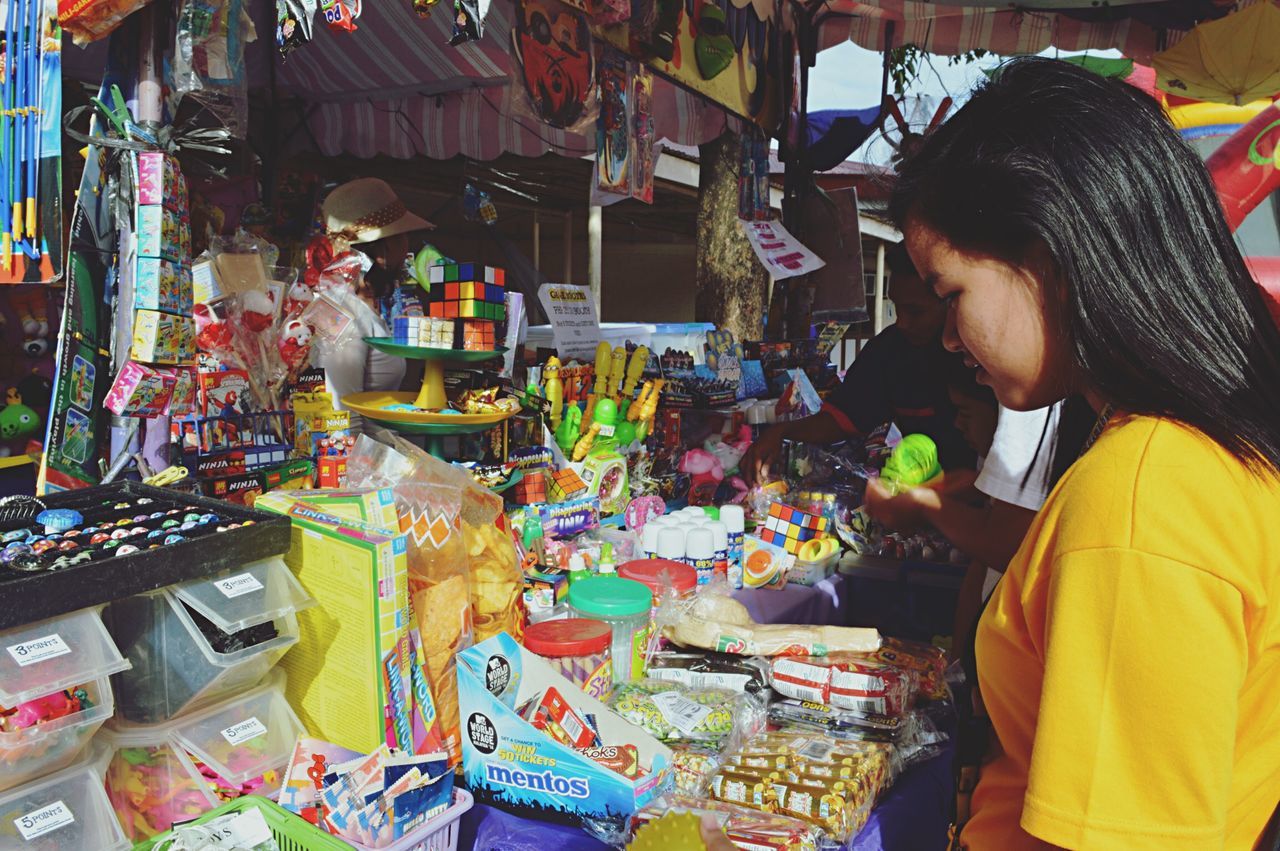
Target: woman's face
x: 998, y: 317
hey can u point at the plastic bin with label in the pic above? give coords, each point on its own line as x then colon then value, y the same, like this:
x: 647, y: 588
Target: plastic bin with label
x: 67, y: 810
x: 175, y: 667
x: 39, y: 661
x: 437, y: 834
x: 153, y: 780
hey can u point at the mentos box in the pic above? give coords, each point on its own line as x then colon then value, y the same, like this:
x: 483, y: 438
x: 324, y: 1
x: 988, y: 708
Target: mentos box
x: 509, y: 763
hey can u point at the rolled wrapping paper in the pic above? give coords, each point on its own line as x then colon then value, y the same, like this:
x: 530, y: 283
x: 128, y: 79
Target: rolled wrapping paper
x: 718, y: 622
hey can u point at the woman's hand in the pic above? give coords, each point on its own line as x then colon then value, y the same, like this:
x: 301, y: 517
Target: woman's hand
x: 713, y: 837
x: 900, y: 512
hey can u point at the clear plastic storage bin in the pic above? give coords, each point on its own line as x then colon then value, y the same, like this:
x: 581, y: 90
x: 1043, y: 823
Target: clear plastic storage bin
x: 37, y: 663
x: 66, y: 810
x: 176, y: 668
x: 153, y: 778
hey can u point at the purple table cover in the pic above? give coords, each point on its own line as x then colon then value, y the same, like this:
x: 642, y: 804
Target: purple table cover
x: 819, y: 605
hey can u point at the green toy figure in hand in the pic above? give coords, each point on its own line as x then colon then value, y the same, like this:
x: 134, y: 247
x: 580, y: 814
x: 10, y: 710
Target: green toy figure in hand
x: 914, y: 462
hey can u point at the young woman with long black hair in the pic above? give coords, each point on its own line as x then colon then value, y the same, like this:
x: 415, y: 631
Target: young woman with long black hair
x: 1129, y: 659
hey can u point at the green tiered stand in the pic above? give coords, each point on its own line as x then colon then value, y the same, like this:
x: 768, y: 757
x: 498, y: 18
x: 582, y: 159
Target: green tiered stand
x: 434, y: 426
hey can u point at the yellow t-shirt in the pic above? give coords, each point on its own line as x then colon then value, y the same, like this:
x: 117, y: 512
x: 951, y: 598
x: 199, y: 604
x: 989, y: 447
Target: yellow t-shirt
x: 1130, y: 657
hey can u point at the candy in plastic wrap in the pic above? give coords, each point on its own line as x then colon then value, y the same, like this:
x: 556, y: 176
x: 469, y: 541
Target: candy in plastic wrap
x: 692, y: 767
x: 711, y: 670
x: 748, y: 829
x: 671, y: 712
x: 849, y: 681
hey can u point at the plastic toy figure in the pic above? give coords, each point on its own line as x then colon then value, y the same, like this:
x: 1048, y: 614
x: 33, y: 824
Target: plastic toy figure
x: 553, y: 391
x: 635, y: 370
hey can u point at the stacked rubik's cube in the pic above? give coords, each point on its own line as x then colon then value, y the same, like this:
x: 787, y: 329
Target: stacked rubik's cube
x: 565, y: 485
x: 532, y: 489
x: 789, y: 527
x: 473, y: 294
x: 424, y: 331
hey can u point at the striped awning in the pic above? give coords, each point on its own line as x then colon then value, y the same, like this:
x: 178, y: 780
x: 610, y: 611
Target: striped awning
x: 954, y: 29
x: 395, y: 87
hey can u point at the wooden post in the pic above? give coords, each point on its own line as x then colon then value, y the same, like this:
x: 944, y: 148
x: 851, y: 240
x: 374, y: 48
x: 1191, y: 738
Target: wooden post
x: 568, y: 247
x: 731, y: 282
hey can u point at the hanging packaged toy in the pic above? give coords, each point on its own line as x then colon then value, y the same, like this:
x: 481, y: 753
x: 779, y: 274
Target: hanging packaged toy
x: 468, y: 20
x: 554, y: 58
x: 208, y: 63
x: 294, y: 19
x: 341, y: 15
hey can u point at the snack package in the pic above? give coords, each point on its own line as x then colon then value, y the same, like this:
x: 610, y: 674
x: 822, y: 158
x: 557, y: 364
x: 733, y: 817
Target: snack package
x: 929, y: 663
x: 692, y: 768
x: 711, y: 670
x: 713, y: 620
x: 671, y: 712
x: 846, y: 681
x: 748, y: 829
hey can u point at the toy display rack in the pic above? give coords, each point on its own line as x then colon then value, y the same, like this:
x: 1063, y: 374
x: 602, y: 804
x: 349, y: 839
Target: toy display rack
x: 390, y: 409
x: 29, y: 597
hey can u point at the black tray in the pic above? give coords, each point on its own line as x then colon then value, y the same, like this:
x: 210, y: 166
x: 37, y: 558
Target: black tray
x: 29, y: 597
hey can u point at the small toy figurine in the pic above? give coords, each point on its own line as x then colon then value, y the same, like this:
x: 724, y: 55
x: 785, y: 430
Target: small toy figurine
x: 553, y: 391
x: 635, y: 369
x: 617, y: 371
x: 567, y: 431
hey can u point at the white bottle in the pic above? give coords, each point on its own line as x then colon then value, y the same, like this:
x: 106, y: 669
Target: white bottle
x: 734, y: 519
x: 700, y: 553
x: 649, y: 536
x: 720, y: 536
x: 671, y: 543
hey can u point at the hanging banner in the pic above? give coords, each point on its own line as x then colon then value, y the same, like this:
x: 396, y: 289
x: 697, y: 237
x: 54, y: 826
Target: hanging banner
x: 736, y: 53
x: 781, y: 253
x: 574, y: 323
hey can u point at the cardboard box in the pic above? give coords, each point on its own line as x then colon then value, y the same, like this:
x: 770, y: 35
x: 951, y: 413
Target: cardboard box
x: 506, y: 762
x: 225, y: 393
x: 140, y: 391
x: 347, y: 674
x: 183, y: 402
x: 160, y: 181
x: 162, y: 285
x: 372, y: 506
x: 247, y: 488
x: 163, y: 233
x: 163, y: 338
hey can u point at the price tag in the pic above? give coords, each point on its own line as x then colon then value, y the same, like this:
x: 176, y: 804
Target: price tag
x: 245, y: 731
x: 238, y: 585
x: 681, y: 712
x: 38, y: 650
x: 36, y: 824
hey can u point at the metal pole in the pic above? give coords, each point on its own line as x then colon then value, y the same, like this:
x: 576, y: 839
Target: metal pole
x: 537, y: 242
x: 878, y: 319
x: 595, y: 253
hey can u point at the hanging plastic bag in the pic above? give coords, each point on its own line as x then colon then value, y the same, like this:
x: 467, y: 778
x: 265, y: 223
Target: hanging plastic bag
x: 294, y: 21
x: 88, y: 22
x: 340, y: 15
x: 208, y: 63
x: 468, y: 20
x: 554, y: 70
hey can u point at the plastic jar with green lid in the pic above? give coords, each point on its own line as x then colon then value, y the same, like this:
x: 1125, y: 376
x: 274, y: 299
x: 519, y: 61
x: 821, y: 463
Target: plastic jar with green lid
x: 624, y: 605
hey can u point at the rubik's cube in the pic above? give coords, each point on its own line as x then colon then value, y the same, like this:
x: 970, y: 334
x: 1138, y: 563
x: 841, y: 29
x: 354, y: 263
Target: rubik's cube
x: 478, y: 335
x: 789, y: 527
x: 467, y: 291
x: 530, y: 490
x: 566, y: 485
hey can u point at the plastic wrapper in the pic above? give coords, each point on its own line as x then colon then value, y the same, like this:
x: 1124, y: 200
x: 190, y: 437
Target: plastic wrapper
x: 208, y: 62
x: 88, y: 22
x: 692, y: 767
x: 711, y: 670
x: 294, y: 21
x: 553, y: 73
x: 748, y: 829
x: 824, y: 782
x: 239, y: 831
x: 713, y: 620
x: 671, y: 712
x: 847, y: 681
x: 792, y: 712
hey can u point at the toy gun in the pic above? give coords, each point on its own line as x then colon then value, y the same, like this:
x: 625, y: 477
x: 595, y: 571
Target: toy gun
x: 914, y: 462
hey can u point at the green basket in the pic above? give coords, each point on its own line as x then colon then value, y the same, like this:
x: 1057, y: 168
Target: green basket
x: 291, y: 832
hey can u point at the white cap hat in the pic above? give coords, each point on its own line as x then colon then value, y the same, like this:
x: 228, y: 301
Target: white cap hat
x: 367, y: 210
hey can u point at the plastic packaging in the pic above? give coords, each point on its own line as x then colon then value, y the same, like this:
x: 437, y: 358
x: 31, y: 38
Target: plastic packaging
x: 671, y: 712
x: 40, y: 660
x: 624, y: 605
x: 712, y: 670
x: 200, y: 641
x: 579, y: 648
x: 692, y: 767
x: 746, y: 828
x: 713, y: 620
x: 846, y: 681
x: 208, y: 63
x: 68, y: 809
x: 700, y: 552
x: 734, y: 519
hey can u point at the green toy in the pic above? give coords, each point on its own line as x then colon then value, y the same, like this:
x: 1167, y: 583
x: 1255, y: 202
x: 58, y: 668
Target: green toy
x: 606, y: 414
x: 568, y: 431
x: 673, y: 832
x: 913, y: 463
x: 18, y: 422
x: 427, y: 257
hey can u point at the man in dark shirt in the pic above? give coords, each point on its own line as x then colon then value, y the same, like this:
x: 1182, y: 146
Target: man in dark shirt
x: 901, y: 376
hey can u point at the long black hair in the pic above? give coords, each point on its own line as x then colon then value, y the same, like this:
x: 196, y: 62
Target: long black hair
x: 1161, y: 313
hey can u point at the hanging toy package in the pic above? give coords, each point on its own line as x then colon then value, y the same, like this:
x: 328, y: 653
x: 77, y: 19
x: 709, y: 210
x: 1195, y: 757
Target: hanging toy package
x: 753, y: 175
x: 294, y: 20
x: 644, y: 153
x: 614, y: 162
x: 340, y: 15
x: 554, y: 75
x: 208, y: 62
x: 468, y: 20
x: 88, y: 22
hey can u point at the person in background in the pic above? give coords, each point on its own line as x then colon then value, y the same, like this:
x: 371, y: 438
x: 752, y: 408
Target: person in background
x: 900, y: 376
x: 1128, y: 660
x: 367, y: 215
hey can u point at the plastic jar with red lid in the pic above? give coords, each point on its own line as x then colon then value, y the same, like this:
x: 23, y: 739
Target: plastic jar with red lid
x: 579, y: 649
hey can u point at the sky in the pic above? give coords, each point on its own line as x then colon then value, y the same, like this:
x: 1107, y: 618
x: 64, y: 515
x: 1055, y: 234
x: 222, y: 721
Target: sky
x: 849, y: 77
